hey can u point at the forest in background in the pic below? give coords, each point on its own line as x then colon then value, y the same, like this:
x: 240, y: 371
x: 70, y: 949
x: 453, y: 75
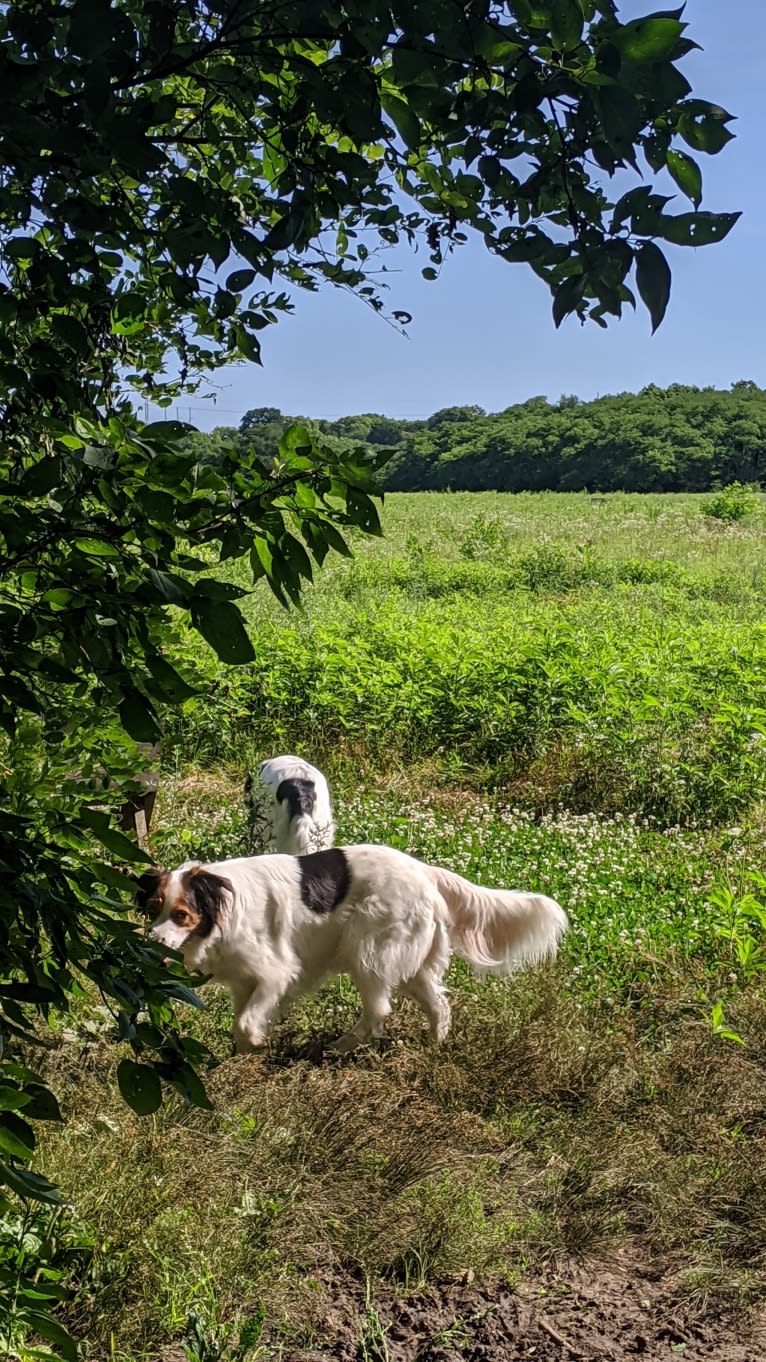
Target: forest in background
x: 674, y: 439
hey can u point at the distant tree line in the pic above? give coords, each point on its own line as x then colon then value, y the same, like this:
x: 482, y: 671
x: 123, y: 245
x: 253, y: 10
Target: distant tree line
x: 675, y: 439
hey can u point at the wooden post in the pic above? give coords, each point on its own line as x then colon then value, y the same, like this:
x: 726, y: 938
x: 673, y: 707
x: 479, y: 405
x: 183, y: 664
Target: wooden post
x: 137, y: 812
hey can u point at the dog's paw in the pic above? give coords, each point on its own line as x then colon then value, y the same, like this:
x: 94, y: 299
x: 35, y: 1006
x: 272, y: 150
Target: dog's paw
x: 247, y: 1043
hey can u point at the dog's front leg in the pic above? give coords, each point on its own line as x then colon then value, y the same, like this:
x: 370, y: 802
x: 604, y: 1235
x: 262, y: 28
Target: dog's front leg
x: 253, y: 1018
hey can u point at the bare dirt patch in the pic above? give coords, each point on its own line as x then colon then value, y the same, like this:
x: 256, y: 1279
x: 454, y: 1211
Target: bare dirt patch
x: 591, y: 1311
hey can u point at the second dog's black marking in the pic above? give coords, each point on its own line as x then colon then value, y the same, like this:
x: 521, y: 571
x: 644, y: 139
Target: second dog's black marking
x: 325, y: 879
x: 300, y: 795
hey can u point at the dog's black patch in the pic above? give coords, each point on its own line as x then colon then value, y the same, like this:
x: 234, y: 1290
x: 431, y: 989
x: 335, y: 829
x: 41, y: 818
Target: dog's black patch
x: 148, y: 892
x: 325, y: 879
x: 204, y: 893
x: 248, y: 783
x: 300, y: 795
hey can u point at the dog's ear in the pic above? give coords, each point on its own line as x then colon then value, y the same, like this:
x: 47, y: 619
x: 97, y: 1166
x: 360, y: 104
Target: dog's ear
x: 149, y: 887
x: 248, y: 783
x: 205, y: 893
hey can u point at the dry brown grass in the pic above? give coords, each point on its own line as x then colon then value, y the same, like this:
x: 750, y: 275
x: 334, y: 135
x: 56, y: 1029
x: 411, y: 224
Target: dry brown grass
x: 538, y: 1133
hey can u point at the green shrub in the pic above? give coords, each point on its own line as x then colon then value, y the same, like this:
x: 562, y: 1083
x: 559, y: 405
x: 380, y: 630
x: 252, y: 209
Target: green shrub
x: 733, y: 502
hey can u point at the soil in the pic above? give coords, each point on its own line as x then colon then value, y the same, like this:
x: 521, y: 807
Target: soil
x: 587, y: 1312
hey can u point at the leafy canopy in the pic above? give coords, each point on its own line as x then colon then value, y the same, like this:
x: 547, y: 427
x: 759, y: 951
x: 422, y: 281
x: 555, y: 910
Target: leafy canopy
x: 676, y: 439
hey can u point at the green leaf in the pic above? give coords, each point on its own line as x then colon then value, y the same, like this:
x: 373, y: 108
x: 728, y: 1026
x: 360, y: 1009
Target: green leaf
x: 140, y: 1087
x: 170, y: 586
x: 12, y: 1099
x: 335, y: 540
x: 407, y: 122
x: 43, y: 476
x: 567, y: 298
x: 216, y: 591
x: 621, y: 116
x: 138, y: 718
x: 686, y: 174
x: 191, y: 1086
x: 98, y: 456
x: 566, y: 24
x: 72, y: 332
x: 285, y: 231
x: 96, y: 548
x: 109, y: 837
x: 363, y: 511
x: 653, y: 281
x: 697, y: 229
x: 43, y: 1106
x: 297, y: 439
x: 240, y: 279
x: 412, y: 66
x: 58, y: 597
x: 185, y: 995
x: 164, y: 434
x: 703, y: 126
x: 220, y: 624
x: 532, y: 14
x: 20, y: 1071
x: 651, y: 39
x: 21, y: 248
x: 43, y: 1290
x: 171, y: 684
x: 31, y: 1186
x: 495, y: 46
x: 40, y: 1322
x: 655, y: 149
x: 296, y: 556
x: 16, y: 1137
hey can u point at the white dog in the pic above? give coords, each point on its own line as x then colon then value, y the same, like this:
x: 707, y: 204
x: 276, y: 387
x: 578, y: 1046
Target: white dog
x: 272, y: 927
x: 289, y: 810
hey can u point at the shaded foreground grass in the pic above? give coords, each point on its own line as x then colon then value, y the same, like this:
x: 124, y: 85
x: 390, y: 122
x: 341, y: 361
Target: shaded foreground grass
x: 585, y: 1109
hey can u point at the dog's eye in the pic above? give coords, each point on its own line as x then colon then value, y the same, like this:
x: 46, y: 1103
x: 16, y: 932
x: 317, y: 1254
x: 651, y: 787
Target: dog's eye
x: 180, y: 917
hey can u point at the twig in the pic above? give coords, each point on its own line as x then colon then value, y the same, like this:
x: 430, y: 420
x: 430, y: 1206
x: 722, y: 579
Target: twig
x: 559, y: 1338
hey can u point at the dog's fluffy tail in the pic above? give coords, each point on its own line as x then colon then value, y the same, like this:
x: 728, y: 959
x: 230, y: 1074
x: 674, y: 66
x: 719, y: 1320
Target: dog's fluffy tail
x: 497, y: 929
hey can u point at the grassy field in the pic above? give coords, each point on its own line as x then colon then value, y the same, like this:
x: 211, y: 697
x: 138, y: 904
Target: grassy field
x: 554, y: 692
x: 601, y: 654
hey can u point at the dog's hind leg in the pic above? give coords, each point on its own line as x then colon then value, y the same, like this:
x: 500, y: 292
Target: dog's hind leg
x: 375, y: 994
x: 427, y: 989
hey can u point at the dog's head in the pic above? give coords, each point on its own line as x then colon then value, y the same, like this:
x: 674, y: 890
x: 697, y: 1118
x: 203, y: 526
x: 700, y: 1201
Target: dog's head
x: 186, y: 904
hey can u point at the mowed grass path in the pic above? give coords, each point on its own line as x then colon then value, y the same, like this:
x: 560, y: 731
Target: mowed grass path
x: 543, y: 692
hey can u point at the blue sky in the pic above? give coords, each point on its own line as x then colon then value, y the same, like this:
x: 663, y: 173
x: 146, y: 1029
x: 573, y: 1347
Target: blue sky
x: 483, y: 333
